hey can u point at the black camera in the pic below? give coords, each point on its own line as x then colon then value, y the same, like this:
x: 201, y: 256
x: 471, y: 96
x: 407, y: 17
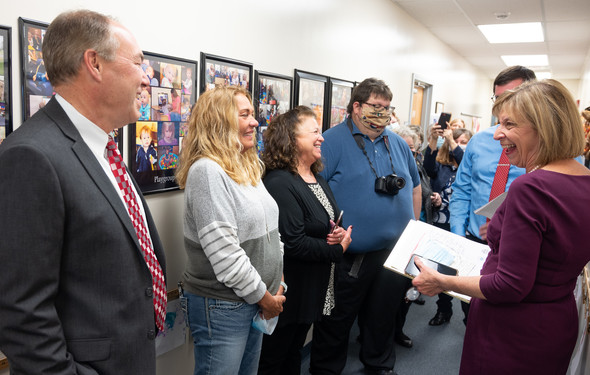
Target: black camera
x: 389, y: 184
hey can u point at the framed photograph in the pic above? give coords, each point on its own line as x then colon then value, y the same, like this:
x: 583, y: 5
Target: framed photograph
x: 311, y: 90
x: 439, y: 107
x: 339, y: 96
x: 217, y: 70
x: 155, y: 140
x: 272, y: 97
x: 36, y: 89
x: 5, y: 82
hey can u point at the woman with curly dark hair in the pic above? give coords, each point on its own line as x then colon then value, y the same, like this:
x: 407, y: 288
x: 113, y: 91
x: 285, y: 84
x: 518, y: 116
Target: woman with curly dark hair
x: 312, y: 241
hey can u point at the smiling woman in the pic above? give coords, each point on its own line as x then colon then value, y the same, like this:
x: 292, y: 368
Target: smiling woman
x: 523, y: 305
x: 234, y: 267
x: 312, y: 241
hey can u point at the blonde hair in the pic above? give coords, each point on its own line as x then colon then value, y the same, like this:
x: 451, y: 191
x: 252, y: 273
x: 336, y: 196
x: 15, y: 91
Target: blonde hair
x: 457, y: 120
x: 213, y: 132
x: 550, y: 109
x: 444, y: 155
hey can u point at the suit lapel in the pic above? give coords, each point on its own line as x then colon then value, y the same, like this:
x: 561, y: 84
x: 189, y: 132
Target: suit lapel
x: 91, y: 165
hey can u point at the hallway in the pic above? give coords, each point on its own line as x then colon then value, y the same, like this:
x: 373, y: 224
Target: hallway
x: 436, y: 350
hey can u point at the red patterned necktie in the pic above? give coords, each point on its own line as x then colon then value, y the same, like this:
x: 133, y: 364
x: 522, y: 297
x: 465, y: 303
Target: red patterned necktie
x: 158, y: 283
x: 501, y: 176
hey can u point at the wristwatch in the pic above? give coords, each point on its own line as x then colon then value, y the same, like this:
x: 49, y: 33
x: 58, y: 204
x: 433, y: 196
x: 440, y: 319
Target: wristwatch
x: 284, y: 287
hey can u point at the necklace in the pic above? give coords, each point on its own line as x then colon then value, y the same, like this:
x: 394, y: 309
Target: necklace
x: 310, y: 179
x: 534, y: 169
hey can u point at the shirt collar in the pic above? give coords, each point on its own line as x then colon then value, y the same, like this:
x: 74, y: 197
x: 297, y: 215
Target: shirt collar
x: 92, y: 134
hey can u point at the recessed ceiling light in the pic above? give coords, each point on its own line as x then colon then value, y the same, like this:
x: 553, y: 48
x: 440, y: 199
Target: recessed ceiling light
x: 526, y: 60
x: 513, y: 32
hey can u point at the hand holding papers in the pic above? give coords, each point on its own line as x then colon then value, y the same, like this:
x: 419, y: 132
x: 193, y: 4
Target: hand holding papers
x: 440, y: 246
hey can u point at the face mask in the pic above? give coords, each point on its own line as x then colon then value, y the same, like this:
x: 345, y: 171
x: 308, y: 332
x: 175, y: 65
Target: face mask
x: 439, y: 142
x: 463, y: 147
x: 376, y: 120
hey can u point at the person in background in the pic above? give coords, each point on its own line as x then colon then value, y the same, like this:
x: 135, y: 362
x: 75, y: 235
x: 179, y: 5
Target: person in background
x: 83, y: 269
x: 523, y: 312
x: 456, y: 123
x: 364, y: 164
x: 475, y: 176
x: 419, y: 147
x: 234, y: 266
x: 409, y: 135
x: 312, y: 242
x: 441, y: 165
x: 586, y: 118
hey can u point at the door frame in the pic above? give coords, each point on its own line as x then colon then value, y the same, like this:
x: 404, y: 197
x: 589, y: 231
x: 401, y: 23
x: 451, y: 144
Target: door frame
x: 418, y: 80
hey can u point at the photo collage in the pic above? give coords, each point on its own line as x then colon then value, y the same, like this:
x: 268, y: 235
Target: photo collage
x: 37, y: 88
x: 165, y: 108
x: 311, y: 94
x: 4, y: 85
x: 273, y: 98
x: 340, y: 97
x: 225, y: 74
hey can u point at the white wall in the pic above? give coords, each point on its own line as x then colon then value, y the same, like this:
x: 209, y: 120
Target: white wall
x: 584, y: 88
x: 345, y: 39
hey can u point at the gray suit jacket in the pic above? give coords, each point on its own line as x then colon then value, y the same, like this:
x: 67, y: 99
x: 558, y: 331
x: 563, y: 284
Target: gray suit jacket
x: 75, y: 292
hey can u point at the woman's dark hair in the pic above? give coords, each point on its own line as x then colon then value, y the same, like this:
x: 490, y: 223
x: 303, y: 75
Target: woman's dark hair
x: 280, y: 141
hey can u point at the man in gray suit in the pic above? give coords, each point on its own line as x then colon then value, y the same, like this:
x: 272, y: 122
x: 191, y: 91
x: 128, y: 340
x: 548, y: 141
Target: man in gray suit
x: 76, y: 295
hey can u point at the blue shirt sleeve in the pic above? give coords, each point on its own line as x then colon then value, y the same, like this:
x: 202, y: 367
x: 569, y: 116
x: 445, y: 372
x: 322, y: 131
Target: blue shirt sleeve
x: 461, y: 197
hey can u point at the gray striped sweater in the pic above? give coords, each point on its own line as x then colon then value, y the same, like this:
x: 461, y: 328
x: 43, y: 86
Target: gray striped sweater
x: 231, y: 237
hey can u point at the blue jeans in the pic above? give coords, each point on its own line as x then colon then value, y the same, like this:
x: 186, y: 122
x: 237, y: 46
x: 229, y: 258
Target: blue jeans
x: 225, y: 342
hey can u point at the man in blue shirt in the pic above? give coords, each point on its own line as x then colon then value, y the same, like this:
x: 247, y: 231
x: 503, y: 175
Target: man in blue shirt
x: 374, y: 178
x: 475, y: 175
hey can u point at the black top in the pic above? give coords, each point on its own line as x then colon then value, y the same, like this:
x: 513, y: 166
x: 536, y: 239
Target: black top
x: 304, y: 225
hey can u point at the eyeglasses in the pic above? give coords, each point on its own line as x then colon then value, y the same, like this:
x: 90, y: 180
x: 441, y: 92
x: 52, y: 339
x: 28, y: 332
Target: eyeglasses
x: 379, y: 107
x: 494, y: 97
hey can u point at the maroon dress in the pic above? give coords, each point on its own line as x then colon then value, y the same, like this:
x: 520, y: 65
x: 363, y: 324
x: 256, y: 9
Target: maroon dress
x: 539, y: 245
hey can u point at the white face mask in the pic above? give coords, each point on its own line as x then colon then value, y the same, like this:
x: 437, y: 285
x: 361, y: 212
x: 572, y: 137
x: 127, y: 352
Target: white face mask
x: 463, y: 147
x: 439, y: 142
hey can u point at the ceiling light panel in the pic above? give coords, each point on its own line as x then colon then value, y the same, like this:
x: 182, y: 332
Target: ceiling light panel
x: 527, y: 32
x: 526, y: 60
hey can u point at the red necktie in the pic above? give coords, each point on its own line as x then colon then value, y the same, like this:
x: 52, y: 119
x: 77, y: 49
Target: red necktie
x: 501, y: 176
x: 158, y: 283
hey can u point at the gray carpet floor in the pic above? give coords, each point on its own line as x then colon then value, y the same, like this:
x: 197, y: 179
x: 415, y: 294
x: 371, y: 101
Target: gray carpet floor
x: 436, y: 350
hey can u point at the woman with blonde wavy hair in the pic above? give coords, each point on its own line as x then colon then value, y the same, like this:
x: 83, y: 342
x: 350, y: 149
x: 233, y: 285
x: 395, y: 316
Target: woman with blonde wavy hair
x: 234, y: 266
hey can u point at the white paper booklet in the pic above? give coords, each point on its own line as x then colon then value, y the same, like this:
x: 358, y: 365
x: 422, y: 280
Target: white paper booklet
x: 439, y: 245
x: 489, y: 209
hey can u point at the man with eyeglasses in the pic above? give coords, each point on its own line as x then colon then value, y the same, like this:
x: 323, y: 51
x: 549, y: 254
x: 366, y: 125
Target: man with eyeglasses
x: 477, y: 170
x: 374, y: 178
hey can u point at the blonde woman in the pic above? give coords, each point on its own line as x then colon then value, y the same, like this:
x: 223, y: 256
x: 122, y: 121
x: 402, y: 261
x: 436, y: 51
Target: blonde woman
x: 234, y: 266
x: 523, y: 315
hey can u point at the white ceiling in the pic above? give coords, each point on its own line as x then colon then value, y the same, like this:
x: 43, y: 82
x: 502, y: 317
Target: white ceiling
x: 566, y: 24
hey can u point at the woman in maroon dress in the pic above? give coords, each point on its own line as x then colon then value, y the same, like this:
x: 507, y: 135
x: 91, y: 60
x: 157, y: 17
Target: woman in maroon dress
x: 523, y: 313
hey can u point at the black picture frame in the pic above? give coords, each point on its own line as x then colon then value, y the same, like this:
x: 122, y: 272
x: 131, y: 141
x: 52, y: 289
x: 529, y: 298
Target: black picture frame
x: 311, y: 90
x: 118, y: 138
x: 273, y: 95
x: 226, y: 71
x: 35, y: 86
x: 340, y: 93
x: 5, y: 82
x: 167, y: 109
